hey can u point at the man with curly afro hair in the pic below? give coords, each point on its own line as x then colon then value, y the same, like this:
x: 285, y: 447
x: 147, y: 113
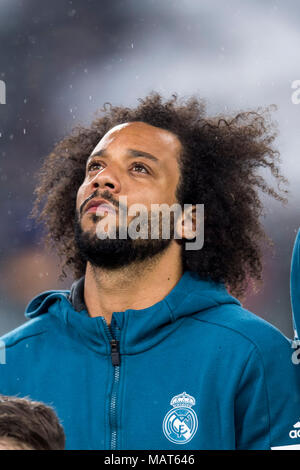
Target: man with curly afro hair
x: 148, y: 349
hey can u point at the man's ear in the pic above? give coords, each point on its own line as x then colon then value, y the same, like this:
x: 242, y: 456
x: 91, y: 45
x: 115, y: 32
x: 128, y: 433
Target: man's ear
x: 190, y: 226
x: 186, y: 223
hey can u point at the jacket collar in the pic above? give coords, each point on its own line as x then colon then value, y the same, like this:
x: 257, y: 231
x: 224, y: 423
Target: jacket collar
x: 139, y: 329
x: 76, y: 296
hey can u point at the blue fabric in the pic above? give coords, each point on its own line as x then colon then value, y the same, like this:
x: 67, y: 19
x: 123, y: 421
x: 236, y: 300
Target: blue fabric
x: 197, y: 348
x: 295, y: 285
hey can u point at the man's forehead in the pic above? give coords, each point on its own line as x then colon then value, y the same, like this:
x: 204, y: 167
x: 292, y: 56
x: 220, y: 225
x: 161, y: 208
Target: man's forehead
x: 142, y: 133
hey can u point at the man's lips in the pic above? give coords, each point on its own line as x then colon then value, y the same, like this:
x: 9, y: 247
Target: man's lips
x: 99, y: 206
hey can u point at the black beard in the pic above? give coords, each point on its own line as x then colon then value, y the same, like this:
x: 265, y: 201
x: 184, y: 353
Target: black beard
x: 115, y: 253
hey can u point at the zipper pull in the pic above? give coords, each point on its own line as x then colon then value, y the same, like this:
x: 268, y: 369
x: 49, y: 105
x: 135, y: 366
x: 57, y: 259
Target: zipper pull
x: 115, y: 354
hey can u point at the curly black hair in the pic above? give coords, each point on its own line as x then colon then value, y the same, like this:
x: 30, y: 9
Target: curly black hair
x: 219, y: 167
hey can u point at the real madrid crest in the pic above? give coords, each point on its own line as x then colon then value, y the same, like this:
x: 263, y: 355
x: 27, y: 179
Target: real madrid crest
x: 181, y: 423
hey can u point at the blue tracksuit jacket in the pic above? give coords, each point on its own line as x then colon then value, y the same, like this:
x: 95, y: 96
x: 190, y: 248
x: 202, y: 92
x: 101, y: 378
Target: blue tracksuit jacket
x: 193, y: 371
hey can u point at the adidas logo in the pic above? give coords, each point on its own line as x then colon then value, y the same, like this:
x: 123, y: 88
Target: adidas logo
x: 296, y: 431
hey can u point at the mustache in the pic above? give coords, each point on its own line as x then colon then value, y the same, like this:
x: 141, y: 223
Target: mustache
x: 105, y: 195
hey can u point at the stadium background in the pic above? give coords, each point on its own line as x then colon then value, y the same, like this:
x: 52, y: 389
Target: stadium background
x: 61, y: 60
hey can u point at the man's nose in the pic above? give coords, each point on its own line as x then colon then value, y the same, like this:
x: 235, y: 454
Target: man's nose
x: 107, y: 179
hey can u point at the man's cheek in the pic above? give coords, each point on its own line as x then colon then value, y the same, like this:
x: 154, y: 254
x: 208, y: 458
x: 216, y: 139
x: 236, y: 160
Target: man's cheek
x: 80, y: 197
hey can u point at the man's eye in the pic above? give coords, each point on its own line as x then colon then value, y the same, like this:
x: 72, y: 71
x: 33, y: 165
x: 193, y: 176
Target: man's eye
x: 94, y: 166
x: 140, y: 168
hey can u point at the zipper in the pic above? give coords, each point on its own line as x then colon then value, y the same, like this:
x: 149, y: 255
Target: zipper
x: 115, y: 354
x: 113, y: 336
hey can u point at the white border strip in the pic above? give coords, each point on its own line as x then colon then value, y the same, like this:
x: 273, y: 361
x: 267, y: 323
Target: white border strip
x: 291, y: 447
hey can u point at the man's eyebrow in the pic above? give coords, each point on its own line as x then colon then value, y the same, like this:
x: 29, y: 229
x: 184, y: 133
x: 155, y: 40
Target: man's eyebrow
x: 132, y: 152
x: 141, y: 153
x: 100, y: 153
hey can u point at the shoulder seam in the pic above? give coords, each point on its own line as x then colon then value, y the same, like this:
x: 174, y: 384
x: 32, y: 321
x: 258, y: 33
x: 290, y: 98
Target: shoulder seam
x: 14, y: 343
x: 228, y: 328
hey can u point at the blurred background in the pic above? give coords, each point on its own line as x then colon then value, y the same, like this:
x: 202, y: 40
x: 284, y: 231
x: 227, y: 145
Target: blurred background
x: 61, y: 60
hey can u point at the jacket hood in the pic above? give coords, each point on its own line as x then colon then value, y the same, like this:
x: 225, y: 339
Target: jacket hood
x: 295, y: 285
x: 143, y: 327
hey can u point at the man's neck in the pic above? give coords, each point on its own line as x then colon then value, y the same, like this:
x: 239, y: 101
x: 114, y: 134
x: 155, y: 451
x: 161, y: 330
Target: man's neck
x: 136, y: 286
